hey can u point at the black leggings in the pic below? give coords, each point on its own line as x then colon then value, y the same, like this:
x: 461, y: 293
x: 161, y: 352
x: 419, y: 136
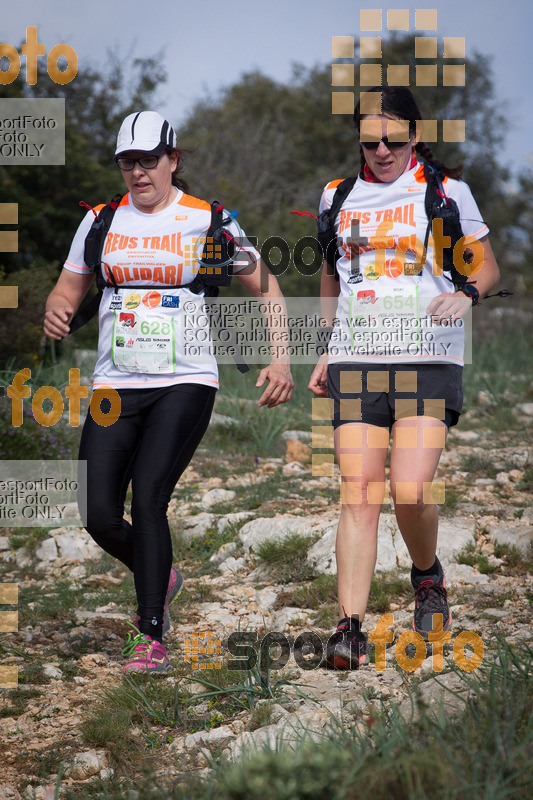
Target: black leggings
x: 150, y: 444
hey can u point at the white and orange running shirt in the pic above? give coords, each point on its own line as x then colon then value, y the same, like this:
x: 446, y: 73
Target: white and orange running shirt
x: 383, y: 298
x: 151, y: 333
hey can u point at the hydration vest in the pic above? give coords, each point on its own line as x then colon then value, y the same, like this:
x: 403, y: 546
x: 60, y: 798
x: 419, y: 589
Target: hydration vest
x: 215, y: 270
x: 437, y: 205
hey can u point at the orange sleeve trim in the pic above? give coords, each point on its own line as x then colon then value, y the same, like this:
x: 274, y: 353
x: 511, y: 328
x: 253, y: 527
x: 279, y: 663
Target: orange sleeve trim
x: 124, y: 202
x: 421, y: 178
x: 419, y: 175
x: 334, y: 184
x: 76, y: 267
x: 193, y: 202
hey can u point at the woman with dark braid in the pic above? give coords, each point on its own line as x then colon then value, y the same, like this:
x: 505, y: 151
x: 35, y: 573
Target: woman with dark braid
x: 395, y: 357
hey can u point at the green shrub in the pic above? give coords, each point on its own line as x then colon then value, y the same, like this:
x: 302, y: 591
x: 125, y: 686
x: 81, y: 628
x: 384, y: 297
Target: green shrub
x: 31, y: 441
x: 288, y: 558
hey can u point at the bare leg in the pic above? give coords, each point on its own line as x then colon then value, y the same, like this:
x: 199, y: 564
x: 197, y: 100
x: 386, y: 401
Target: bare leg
x: 361, y: 453
x: 416, y: 449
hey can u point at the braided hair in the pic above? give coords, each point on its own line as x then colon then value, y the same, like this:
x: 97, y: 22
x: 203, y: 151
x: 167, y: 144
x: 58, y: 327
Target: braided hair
x: 399, y: 101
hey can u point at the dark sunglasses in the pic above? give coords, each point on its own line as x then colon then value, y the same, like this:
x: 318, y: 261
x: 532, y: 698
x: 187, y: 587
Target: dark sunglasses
x: 388, y: 144
x: 146, y: 162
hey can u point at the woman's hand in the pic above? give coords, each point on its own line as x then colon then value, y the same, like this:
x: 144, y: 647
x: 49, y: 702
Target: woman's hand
x: 318, y: 383
x: 63, y: 301
x: 447, y: 308
x: 56, y: 321
x: 280, y: 385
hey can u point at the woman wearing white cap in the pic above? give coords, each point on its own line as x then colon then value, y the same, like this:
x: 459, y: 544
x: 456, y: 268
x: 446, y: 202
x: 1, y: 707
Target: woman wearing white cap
x: 146, y: 314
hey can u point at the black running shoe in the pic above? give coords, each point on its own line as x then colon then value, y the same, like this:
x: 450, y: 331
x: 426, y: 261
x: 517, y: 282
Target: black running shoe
x: 346, y: 648
x: 430, y: 598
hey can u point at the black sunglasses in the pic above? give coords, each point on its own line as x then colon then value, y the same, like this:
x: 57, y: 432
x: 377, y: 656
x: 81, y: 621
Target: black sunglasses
x: 388, y: 144
x: 146, y: 162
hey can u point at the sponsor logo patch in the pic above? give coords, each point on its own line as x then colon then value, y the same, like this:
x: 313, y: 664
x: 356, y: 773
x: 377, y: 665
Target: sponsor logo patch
x: 152, y: 299
x: 132, y: 300
x: 367, y: 296
x: 372, y: 272
x: 171, y: 301
x: 127, y: 319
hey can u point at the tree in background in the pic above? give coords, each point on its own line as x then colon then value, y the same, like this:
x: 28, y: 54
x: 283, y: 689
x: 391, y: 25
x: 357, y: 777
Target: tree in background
x: 48, y: 196
x: 260, y: 147
x: 265, y: 148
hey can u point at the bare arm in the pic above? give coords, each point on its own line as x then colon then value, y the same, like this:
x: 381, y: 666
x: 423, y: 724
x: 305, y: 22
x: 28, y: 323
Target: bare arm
x: 262, y: 284
x: 488, y: 276
x: 454, y: 305
x: 329, y: 294
x: 63, y: 302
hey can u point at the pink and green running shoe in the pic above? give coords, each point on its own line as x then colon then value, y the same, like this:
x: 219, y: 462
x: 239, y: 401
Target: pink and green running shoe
x: 145, y: 654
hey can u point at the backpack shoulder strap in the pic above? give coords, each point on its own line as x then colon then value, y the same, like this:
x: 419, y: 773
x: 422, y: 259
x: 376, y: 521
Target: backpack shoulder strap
x: 326, y: 224
x: 341, y: 193
x: 216, y: 263
x: 95, y: 239
x: 215, y: 270
x: 438, y: 205
x: 92, y: 255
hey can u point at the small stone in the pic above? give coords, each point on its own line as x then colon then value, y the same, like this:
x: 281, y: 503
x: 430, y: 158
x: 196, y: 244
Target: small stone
x: 484, y: 398
x: 518, y: 535
x: 223, y: 552
x: 427, y: 665
x: 86, y: 764
x: 293, y: 470
x: 91, y: 660
x: 215, y: 496
x: 47, y: 550
x: 51, y: 671
x: 295, y: 450
x: 502, y: 478
x: 464, y: 436
x: 527, y: 516
x: 516, y: 475
x: 98, y: 581
x: 232, y: 565
x: 484, y: 482
x: 197, y: 526
x: 222, y: 420
x: 288, y: 616
x: 495, y: 613
x: 266, y: 598
x: 237, y: 518
x: 107, y: 773
x: 299, y: 436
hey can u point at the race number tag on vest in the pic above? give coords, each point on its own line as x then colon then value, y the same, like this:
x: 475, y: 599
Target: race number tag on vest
x: 143, y: 338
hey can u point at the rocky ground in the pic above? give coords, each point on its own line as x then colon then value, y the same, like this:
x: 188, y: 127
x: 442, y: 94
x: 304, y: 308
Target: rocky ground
x: 231, y: 519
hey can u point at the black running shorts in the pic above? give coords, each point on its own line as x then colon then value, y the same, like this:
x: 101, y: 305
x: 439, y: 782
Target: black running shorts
x: 381, y: 394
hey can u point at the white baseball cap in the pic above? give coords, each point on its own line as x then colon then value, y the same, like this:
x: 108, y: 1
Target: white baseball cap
x: 147, y: 131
